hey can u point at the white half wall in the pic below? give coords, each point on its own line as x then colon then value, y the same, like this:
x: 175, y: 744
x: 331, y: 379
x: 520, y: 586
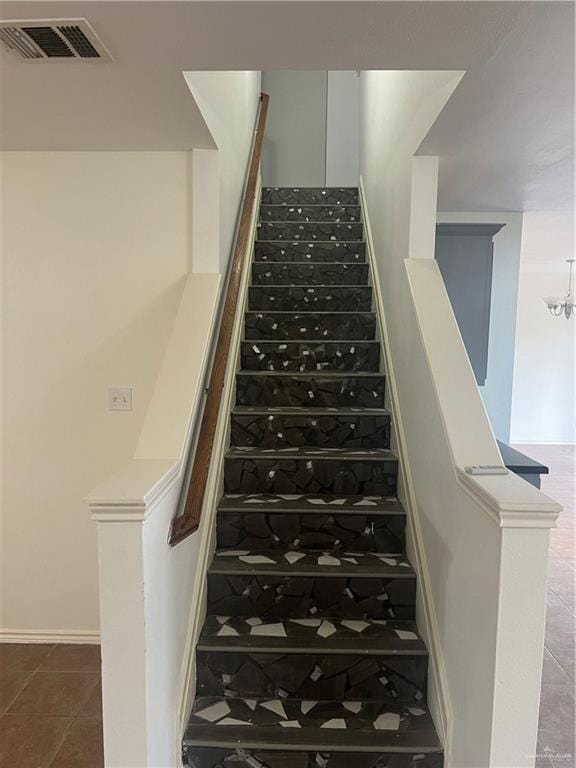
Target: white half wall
x: 544, y: 387
x: 497, y: 391
x: 475, y: 543
x: 94, y: 251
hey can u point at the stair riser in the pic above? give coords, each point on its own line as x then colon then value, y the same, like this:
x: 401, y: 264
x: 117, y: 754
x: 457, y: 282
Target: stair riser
x: 310, y: 391
x: 296, y: 299
x: 339, y: 533
x: 303, y: 597
x: 285, y: 475
x: 310, y: 326
x: 309, y: 274
x: 323, y: 231
x: 213, y: 757
x: 346, y: 677
x: 300, y: 356
x: 309, y: 196
x: 332, y: 213
x: 310, y: 252
x: 330, y: 431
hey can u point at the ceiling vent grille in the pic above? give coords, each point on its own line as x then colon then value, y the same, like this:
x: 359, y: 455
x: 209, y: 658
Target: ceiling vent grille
x: 52, y: 40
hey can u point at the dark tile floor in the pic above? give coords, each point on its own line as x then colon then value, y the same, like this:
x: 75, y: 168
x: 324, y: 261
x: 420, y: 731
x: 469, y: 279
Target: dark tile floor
x: 50, y: 706
x: 557, y: 709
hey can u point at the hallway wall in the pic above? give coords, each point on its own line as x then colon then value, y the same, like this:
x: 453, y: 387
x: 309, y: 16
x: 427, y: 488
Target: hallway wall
x: 94, y: 250
x: 294, y: 153
x: 312, y: 134
x: 544, y: 388
x: 497, y: 390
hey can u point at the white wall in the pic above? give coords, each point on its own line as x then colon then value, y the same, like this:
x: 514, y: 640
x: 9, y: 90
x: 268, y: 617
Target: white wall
x: 497, y: 391
x: 343, y: 129
x: 543, y: 405
x: 294, y: 152
x: 94, y: 250
x: 228, y: 102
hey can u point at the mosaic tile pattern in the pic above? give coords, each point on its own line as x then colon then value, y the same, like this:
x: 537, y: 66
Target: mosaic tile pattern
x: 333, y: 213
x: 296, y: 427
x: 338, y: 532
x: 310, y: 252
x: 309, y: 655
x: 287, y: 474
x: 305, y: 503
x: 382, y: 637
x: 238, y: 757
x: 294, y: 273
x: 312, y: 676
x: 309, y: 596
x: 323, y: 231
x: 309, y: 196
x: 310, y: 356
x: 310, y: 299
x: 358, y: 326
x: 310, y: 390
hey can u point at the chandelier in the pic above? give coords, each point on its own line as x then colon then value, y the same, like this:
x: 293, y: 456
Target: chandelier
x: 567, y: 305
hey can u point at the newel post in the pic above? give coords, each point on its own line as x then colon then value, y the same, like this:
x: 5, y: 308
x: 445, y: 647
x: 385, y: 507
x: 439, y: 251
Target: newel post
x: 120, y: 509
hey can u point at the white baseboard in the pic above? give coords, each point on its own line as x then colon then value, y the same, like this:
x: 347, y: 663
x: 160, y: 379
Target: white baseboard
x: 73, y: 637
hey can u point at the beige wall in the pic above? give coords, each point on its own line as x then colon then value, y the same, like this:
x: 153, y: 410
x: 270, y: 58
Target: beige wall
x: 94, y: 250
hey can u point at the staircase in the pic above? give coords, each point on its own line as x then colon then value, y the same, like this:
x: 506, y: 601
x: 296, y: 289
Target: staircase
x: 310, y: 656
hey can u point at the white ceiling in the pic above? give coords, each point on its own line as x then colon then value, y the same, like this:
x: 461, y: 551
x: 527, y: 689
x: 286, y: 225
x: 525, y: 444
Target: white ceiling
x: 505, y: 138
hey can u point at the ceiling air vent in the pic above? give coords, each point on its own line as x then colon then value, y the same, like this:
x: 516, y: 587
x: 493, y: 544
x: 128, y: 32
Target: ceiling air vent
x: 52, y: 40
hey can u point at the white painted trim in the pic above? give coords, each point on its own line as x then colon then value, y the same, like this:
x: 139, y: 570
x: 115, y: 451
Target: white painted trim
x: 440, y: 690
x: 214, y: 489
x: 68, y: 636
x: 509, y: 500
x: 133, y: 494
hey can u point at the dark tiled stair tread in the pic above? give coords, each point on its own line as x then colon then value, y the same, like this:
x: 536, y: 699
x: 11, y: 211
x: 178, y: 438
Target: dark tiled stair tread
x: 314, y: 374
x: 279, y: 562
x: 326, y: 635
x: 306, y: 195
x: 311, y: 263
x: 313, y: 287
x: 336, y: 213
x: 377, y: 726
x: 283, y: 242
x: 351, y: 298
x: 310, y: 452
x: 309, y: 326
x: 249, y: 410
x: 318, y: 232
x: 313, y: 503
x: 299, y: 312
x: 298, y: 252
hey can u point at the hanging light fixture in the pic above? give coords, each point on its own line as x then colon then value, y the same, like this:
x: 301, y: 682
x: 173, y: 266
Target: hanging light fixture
x: 567, y: 305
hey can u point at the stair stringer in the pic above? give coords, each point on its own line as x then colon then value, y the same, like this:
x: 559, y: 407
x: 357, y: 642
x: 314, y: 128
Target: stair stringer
x: 438, y: 691
x: 214, y: 490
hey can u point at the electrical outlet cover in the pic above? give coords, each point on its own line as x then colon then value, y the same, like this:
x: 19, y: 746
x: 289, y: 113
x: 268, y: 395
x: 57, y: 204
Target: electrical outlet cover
x: 120, y: 399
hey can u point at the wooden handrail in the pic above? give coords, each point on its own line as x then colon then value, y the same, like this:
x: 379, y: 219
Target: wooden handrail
x: 189, y: 520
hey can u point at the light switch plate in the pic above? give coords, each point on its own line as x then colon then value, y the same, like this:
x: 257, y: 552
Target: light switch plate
x: 120, y: 399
